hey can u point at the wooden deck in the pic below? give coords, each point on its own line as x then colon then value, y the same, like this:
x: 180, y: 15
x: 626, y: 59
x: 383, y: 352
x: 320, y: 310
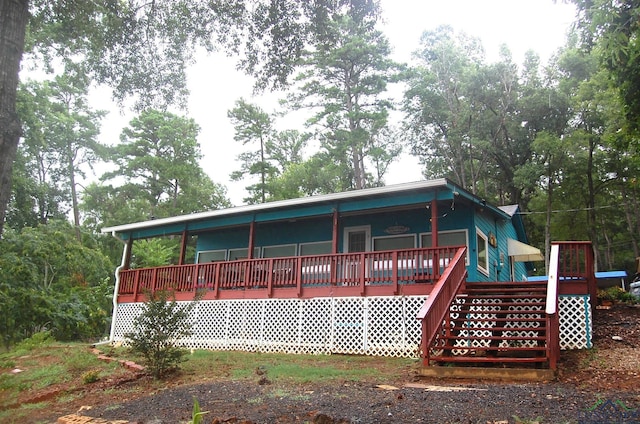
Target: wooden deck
x: 383, y: 273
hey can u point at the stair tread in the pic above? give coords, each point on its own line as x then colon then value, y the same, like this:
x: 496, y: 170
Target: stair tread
x: 495, y: 348
x: 485, y: 359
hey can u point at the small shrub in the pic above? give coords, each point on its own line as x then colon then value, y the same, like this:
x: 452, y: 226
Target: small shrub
x: 158, y: 328
x: 90, y: 376
x: 617, y: 294
x: 40, y: 339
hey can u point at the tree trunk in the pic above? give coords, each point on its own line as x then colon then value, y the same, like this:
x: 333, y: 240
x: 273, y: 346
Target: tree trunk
x: 13, y: 23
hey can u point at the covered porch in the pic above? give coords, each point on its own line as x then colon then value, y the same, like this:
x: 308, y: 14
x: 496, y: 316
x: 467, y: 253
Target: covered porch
x: 381, y: 273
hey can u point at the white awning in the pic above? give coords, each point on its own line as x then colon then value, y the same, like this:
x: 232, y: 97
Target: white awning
x: 522, y: 252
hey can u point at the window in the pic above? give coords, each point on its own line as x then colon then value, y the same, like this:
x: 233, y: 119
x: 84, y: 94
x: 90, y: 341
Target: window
x: 316, y: 248
x: 211, y: 256
x: 394, y: 242
x: 237, y: 254
x: 279, y: 251
x: 446, y: 238
x: 482, y: 248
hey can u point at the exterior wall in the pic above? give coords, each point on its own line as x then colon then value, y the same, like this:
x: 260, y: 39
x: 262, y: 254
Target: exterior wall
x: 377, y: 326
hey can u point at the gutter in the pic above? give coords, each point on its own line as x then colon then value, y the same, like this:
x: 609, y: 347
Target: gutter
x: 116, y: 287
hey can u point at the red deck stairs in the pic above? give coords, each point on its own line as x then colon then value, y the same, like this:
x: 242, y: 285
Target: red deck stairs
x: 495, y: 329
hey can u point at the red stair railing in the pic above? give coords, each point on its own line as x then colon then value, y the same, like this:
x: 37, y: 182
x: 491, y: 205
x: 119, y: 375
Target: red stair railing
x: 433, y: 312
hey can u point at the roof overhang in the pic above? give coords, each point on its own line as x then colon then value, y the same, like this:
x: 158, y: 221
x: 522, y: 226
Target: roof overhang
x: 522, y: 252
x: 345, y: 202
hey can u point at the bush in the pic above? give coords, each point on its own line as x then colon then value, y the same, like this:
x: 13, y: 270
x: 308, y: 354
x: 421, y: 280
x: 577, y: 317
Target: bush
x: 157, y: 330
x: 617, y: 294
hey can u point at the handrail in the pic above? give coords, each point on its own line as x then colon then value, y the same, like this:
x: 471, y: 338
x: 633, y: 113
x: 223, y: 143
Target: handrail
x: 436, y: 306
x: 361, y: 269
x: 552, y: 282
x: 551, y: 309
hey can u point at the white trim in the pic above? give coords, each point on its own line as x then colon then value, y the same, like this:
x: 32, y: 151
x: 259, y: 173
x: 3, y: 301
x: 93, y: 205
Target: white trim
x: 294, y: 245
x: 345, y: 238
x: 373, y: 239
x: 329, y: 242
x: 480, y: 233
x: 210, y: 251
x: 466, y: 238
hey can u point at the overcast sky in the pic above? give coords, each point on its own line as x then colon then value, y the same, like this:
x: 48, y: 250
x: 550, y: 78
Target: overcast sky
x: 539, y: 25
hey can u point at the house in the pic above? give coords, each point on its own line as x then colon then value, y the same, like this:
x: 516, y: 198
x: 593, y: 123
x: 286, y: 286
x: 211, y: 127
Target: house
x: 350, y: 273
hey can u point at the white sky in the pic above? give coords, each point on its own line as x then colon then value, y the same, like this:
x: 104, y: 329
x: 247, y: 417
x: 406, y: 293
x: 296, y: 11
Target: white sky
x: 539, y: 25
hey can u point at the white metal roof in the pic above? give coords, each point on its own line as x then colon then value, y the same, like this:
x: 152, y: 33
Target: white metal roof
x: 323, y: 198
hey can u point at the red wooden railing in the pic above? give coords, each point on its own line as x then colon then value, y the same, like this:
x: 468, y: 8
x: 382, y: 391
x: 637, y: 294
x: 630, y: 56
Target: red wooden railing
x: 571, y: 271
x: 383, y: 272
x: 436, y: 308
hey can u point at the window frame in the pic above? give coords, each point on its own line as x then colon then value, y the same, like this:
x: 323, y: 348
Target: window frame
x: 373, y: 241
x: 485, y: 239
x: 465, y: 231
x: 292, y: 245
x: 224, y: 251
x: 301, y: 245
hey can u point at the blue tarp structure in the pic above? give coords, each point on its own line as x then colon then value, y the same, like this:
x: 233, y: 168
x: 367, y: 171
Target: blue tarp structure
x: 605, y: 279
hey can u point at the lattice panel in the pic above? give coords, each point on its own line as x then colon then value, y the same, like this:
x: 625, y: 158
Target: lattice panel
x: 574, y: 313
x: 281, y: 326
x: 211, y: 330
x: 316, y: 326
x: 386, y: 329
x: 412, y: 305
x: 526, y: 329
x: 383, y: 326
x: 348, y: 325
x: 124, y: 324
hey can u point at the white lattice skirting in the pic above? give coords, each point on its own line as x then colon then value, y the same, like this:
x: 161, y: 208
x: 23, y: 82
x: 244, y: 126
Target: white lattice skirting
x: 380, y: 326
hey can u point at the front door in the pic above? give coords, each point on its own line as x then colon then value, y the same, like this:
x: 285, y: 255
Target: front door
x: 357, y: 239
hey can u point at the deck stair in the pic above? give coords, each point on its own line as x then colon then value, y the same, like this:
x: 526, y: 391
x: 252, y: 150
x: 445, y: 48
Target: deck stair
x: 494, y: 324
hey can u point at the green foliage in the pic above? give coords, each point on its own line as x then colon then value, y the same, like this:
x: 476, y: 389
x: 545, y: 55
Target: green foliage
x: 158, y: 159
x: 90, y: 376
x: 616, y: 294
x: 50, y: 281
x: 344, y: 82
x: 36, y: 341
x: 196, y: 413
x: 158, y: 330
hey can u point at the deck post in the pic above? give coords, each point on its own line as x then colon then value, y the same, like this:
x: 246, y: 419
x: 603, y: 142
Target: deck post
x: 183, y: 246
x: 334, y: 237
x: 434, y: 222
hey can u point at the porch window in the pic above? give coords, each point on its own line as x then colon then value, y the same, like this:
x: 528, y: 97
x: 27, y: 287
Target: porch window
x: 211, y: 256
x: 482, y: 249
x: 394, y: 242
x: 238, y: 254
x: 448, y: 238
x: 315, y: 248
x: 279, y: 251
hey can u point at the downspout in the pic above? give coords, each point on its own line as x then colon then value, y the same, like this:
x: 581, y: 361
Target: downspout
x: 123, y: 264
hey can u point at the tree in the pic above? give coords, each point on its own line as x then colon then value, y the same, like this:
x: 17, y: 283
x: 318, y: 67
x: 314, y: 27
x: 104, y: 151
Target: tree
x: 612, y: 29
x: 252, y: 124
x: 141, y: 49
x: 442, y: 108
x: 158, y: 158
x: 51, y: 281
x: 60, y: 132
x: 344, y: 79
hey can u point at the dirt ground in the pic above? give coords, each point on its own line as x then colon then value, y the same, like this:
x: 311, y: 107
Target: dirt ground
x: 609, y: 373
